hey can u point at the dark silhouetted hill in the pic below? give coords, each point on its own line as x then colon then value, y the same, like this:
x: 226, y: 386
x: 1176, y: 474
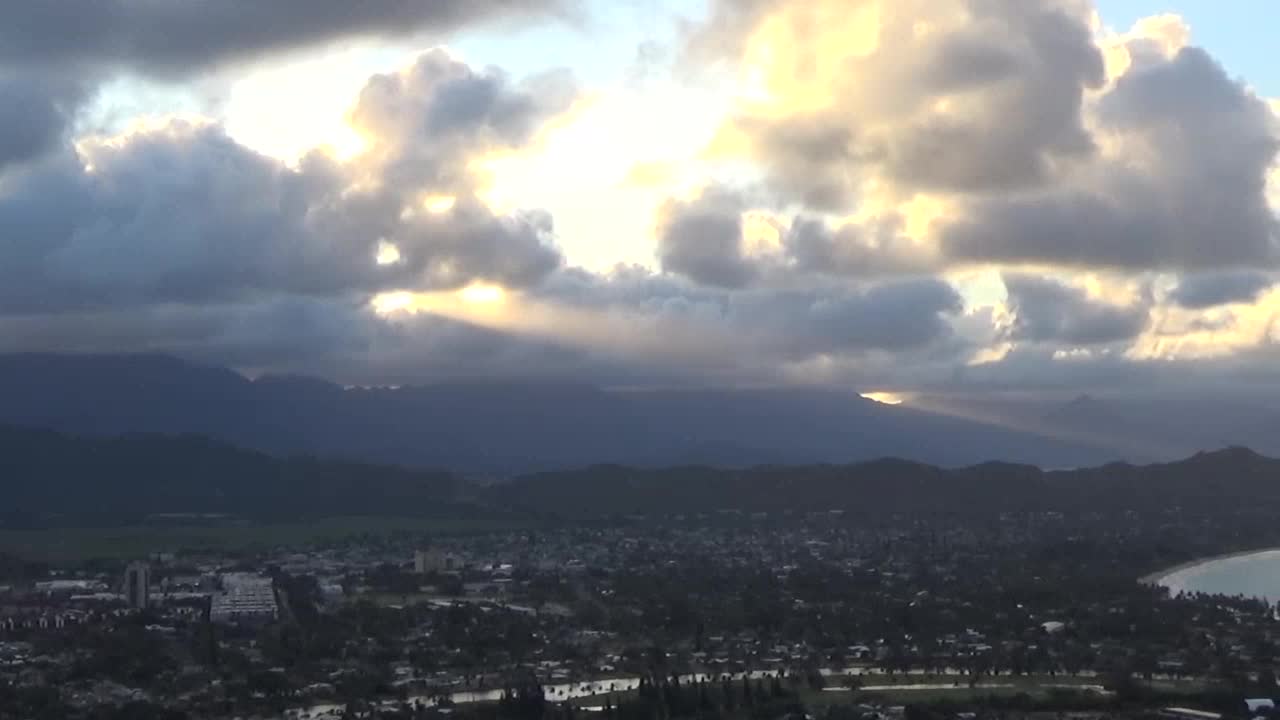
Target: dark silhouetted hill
x: 1232, y: 478
x: 44, y: 473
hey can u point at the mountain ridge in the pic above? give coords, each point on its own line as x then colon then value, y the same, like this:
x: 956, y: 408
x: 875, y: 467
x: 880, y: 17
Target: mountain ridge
x: 504, y: 428
x: 1231, y: 477
x: 128, y: 477
x: 44, y: 473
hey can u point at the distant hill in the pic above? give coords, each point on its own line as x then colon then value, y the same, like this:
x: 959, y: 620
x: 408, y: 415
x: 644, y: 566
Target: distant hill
x: 1232, y: 478
x: 43, y: 473
x: 48, y: 477
x: 502, y: 428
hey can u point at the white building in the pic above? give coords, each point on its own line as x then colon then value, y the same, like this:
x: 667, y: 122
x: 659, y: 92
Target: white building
x: 244, y: 598
x: 53, y: 587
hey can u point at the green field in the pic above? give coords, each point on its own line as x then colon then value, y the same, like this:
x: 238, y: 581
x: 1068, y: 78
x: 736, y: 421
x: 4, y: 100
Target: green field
x: 64, y: 546
x: 1037, y: 686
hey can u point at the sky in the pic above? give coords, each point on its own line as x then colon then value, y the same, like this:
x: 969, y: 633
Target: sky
x: 892, y: 196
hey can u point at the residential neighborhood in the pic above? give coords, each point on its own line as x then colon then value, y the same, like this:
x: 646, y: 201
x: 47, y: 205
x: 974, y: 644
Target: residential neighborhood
x: 874, y: 613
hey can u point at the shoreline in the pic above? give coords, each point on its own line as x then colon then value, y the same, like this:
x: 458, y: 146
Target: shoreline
x: 1155, y: 578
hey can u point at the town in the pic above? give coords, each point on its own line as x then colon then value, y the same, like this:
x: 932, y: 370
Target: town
x: 783, y: 613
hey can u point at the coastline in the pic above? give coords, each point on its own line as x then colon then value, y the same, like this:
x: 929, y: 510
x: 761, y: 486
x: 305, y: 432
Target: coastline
x: 1157, y: 577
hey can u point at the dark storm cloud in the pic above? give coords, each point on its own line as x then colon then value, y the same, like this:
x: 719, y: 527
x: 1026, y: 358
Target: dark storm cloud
x: 168, y: 37
x: 1187, y: 192
x: 1208, y: 290
x: 1046, y: 311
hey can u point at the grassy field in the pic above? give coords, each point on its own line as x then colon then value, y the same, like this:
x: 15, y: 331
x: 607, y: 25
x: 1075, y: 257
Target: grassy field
x: 63, y: 546
x: 1037, y: 686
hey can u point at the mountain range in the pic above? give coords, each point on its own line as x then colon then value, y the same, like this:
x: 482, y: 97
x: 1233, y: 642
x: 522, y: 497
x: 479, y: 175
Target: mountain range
x: 54, y: 479
x: 1228, y: 479
x: 48, y: 477
x: 501, y: 428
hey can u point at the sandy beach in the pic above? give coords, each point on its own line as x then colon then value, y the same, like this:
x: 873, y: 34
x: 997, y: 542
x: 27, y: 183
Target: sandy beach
x: 1158, y: 577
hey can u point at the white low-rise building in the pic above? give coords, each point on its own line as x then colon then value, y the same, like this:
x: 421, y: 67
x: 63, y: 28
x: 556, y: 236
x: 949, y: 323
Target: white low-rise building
x: 244, y: 598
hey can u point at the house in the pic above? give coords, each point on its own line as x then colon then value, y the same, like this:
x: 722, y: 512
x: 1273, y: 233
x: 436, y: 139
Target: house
x: 1258, y: 706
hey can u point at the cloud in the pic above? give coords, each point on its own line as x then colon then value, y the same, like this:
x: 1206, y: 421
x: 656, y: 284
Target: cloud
x: 866, y: 249
x: 1047, y: 311
x: 720, y: 239
x: 183, y: 214
x: 764, y: 325
x: 36, y: 111
x: 893, y: 316
x: 339, y: 339
x: 631, y: 327
x: 54, y: 54
x: 703, y: 240
x: 1006, y: 116
x: 1033, y: 368
x: 172, y: 38
x: 882, y: 167
x: 426, y: 123
x: 1184, y: 187
x: 1207, y: 290
x: 959, y: 96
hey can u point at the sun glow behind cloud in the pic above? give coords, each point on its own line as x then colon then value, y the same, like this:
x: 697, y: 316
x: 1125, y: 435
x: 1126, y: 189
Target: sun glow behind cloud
x: 482, y: 294
x: 586, y: 167
x: 289, y: 108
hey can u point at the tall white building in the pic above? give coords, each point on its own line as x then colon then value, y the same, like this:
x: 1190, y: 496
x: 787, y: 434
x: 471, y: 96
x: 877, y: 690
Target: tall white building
x: 137, y: 585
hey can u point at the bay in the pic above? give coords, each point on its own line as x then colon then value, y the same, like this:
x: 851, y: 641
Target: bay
x: 1253, y: 574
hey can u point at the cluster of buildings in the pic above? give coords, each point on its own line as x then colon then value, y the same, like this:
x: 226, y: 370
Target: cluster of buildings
x: 224, y: 597
x: 947, y: 597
